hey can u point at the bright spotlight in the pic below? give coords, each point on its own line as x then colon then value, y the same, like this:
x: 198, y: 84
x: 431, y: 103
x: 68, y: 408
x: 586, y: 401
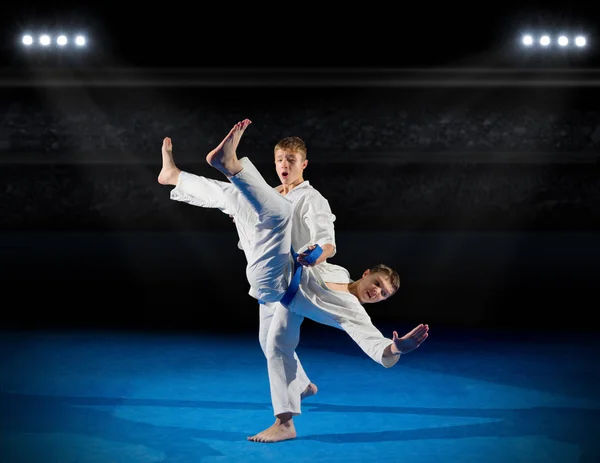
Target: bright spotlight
x: 580, y: 41
x: 27, y: 40
x: 45, y: 40
x: 527, y: 40
x: 61, y: 40
x: 563, y: 41
x: 545, y: 40
x: 80, y: 40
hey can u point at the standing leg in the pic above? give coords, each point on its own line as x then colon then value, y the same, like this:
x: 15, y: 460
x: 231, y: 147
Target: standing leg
x: 287, y: 379
x: 266, y: 312
x: 266, y: 329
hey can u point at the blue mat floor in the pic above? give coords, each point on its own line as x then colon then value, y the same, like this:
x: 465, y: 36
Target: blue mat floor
x: 464, y: 396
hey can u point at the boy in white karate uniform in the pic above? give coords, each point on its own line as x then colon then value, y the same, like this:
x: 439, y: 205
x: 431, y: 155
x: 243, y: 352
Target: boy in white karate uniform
x: 325, y: 293
x: 312, y: 224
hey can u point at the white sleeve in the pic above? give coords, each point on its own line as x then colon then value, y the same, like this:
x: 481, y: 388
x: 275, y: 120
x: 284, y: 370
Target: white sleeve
x: 370, y: 340
x: 319, y: 220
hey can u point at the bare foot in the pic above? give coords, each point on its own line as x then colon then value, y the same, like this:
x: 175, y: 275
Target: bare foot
x: 224, y: 157
x: 283, y: 428
x: 277, y: 432
x: 311, y: 389
x: 169, y: 174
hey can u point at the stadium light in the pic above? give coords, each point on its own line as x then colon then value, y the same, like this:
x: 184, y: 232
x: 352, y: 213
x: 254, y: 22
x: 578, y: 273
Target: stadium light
x: 46, y: 40
x: 546, y: 40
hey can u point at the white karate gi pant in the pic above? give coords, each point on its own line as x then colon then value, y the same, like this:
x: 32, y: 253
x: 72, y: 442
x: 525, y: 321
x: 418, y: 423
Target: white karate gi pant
x: 263, y: 221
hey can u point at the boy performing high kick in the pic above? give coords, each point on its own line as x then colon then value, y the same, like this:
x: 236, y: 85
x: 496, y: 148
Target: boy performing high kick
x: 324, y: 293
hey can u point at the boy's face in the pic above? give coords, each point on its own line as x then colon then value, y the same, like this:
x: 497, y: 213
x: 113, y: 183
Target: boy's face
x: 290, y: 167
x: 374, y: 287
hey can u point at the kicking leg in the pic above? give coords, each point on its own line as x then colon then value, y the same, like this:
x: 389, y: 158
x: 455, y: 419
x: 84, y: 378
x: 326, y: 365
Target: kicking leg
x: 269, y: 259
x: 271, y: 206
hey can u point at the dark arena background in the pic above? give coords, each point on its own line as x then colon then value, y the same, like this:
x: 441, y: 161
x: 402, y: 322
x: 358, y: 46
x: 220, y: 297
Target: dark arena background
x: 128, y: 334
x: 483, y: 196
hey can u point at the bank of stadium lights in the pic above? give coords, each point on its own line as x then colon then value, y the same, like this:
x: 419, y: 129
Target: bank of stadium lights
x: 48, y: 41
x: 546, y: 41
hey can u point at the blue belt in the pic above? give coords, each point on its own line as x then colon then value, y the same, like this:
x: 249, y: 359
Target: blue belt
x: 311, y: 257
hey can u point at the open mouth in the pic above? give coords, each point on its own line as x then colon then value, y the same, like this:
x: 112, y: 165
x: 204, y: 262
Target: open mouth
x: 285, y: 174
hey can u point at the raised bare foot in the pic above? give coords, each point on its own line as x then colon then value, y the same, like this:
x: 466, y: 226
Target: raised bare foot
x: 169, y: 174
x: 277, y: 432
x: 311, y: 389
x: 224, y: 157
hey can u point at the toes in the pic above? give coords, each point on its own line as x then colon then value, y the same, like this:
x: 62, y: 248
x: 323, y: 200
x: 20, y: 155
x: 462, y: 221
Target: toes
x: 257, y: 438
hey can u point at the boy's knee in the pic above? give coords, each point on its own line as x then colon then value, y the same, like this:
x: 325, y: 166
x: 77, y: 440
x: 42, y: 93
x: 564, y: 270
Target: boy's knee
x: 280, y: 343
